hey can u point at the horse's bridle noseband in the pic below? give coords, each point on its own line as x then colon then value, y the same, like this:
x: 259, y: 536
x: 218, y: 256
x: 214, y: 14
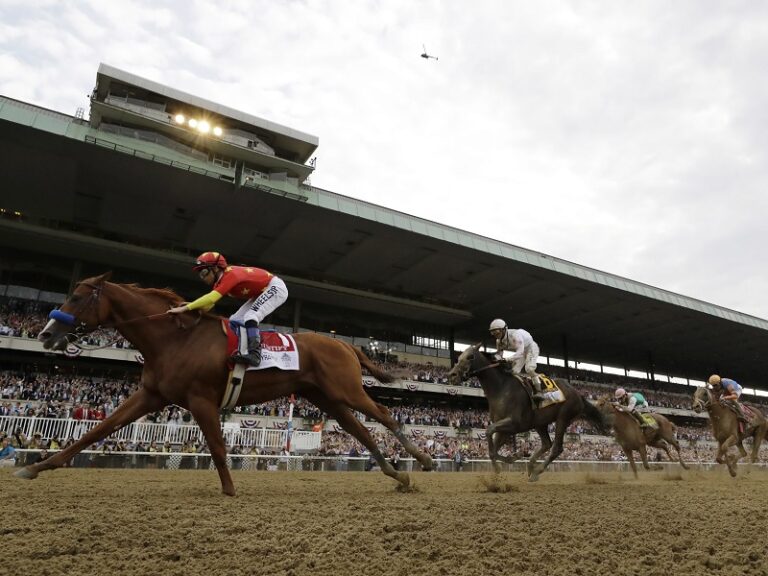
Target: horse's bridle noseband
x: 80, y: 327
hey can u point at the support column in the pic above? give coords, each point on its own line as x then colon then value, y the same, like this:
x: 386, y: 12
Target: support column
x: 565, y: 358
x: 651, y: 369
x: 77, y: 272
x: 296, y: 315
x: 451, y: 346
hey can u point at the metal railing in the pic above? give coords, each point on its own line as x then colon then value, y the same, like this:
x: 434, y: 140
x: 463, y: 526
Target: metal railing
x: 147, y: 432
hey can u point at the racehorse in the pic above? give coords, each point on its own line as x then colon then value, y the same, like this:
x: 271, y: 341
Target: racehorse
x: 511, y: 411
x: 725, y: 428
x: 630, y: 436
x: 188, y: 367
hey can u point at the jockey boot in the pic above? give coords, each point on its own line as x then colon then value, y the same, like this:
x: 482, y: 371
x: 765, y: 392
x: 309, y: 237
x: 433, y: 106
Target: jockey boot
x: 740, y: 413
x: 537, y: 392
x: 254, y: 345
x: 737, y: 408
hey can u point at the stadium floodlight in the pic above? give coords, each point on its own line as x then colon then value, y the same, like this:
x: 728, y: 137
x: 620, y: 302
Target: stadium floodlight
x: 217, y: 131
x: 192, y: 123
x: 179, y: 118
x: 204, y: 127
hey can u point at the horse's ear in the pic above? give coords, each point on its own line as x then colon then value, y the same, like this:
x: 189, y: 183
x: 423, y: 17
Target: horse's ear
x: 106, y: 277
x: 477, y: 346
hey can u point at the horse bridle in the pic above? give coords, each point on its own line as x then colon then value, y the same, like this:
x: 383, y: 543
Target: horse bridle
x: 704, y: 403
x: 80, y: 327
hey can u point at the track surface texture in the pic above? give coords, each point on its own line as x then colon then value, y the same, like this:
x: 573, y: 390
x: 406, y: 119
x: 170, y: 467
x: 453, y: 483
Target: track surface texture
x: 115, y: 522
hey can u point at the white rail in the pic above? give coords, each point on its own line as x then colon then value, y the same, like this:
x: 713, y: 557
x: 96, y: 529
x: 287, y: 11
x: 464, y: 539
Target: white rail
x: 146, y: 432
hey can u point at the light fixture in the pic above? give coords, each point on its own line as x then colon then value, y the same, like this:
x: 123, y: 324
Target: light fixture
x: 192, y: 123
x: 204, y: 127
x: 179, y: 118
x: 218, y: 131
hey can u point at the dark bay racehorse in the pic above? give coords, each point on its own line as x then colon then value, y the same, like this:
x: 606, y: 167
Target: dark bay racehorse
x: 511, y: 411
x: 630, y: 436
x: 187, y: 367
x: 725, y: 429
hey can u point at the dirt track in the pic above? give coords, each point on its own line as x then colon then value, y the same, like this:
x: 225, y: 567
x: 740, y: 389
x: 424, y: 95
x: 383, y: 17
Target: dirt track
x: 176, y: 522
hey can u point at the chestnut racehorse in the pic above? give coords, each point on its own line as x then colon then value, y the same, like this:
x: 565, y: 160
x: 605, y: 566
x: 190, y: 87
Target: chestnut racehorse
x: 630, y: 436
x: 188, y: 367
x: 725, y: 428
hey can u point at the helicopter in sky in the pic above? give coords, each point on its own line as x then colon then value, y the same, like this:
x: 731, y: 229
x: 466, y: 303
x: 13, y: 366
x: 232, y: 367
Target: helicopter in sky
x: 425, y: 55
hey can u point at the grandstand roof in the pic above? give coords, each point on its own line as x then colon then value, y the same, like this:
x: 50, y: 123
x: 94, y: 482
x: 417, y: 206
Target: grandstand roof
x: 301, y: 143
x: 349, y: 259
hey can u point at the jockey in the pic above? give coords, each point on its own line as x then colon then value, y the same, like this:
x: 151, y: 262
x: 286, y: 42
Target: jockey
x: 262, y: 291
x: 634, y: 403
x: 521, y: 344
x: 729, y: 392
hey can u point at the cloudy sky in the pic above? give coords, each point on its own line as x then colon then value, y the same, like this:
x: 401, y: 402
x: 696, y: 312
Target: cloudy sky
x: 625, y: 136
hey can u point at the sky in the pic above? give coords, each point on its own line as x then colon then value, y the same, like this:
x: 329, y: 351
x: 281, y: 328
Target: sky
x: 630, y: 137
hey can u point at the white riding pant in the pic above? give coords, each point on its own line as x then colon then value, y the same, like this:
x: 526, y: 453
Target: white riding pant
x: 528, y: 361
x: 258, y: 308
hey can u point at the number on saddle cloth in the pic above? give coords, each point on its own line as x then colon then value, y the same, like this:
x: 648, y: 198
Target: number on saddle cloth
x: 649, y: 420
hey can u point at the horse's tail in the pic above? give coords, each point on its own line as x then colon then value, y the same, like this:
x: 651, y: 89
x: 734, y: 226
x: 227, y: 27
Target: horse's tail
x: 591, y: 413
x: 375, y: 371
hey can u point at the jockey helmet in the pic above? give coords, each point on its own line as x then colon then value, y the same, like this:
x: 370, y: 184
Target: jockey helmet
x: 714, y: 380
x: 210, y: 260
x: 620, y: 393
x: 497, y: 324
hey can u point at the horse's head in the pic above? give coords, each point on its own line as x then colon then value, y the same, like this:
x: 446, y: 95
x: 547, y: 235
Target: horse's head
x: 604, y: 402
x: 81, y: 313
x: 461, y: 370
x: 701, y: 399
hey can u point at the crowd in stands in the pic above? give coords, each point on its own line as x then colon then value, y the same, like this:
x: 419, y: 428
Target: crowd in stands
x: 25, y: 319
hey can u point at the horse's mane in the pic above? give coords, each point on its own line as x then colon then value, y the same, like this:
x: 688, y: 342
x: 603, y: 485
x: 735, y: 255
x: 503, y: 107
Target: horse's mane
x: 163, y: 293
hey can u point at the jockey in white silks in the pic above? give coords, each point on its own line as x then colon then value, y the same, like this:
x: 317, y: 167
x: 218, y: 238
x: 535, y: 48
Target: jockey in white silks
x: 525, y: 351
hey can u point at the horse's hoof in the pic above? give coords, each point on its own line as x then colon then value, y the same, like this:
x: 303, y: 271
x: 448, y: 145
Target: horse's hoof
x: 25, y: 473
x: 533, y: 477
x: 229, y: 491
x: 404, y: 479
x: 428, y: 465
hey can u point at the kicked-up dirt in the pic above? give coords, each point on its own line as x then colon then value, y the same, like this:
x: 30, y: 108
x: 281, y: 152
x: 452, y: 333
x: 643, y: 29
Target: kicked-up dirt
x: 116, y: 522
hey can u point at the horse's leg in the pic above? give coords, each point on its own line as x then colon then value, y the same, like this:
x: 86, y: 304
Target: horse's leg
x: 504, y: 438
x: 730, y: 459
x: 676, y: 445
x: 493, y: 454
x: 644, y: 456
x: 740, y: 446
x: 381, y: 414
x: 631, y: 457
x: 546, y: 445
x: 347, y: 420
x: 757, y: 440
x: 661, y: 444
x: 557, y: 448
x: 206, y: 414
x: 135, y: 406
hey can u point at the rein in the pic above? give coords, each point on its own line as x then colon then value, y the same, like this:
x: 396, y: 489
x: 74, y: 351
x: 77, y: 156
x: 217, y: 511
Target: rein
x: 81, y: 327
x: 471, y: 373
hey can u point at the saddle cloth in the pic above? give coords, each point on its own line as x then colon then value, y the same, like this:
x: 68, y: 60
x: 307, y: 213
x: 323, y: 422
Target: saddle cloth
x: 277, y: 350
x: 550, y: 390
x: 649, y: 420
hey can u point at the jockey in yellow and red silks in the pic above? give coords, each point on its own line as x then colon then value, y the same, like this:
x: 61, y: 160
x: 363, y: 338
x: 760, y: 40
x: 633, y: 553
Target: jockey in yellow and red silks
x: 263, y: 291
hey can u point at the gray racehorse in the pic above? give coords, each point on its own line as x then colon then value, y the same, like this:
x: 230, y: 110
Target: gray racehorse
x: 511, y: 410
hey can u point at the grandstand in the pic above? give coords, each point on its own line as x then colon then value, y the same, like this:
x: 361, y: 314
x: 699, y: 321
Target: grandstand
x: 155, y: 176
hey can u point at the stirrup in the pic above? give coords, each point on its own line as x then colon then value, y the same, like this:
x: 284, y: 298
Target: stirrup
x: 252, y: 359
